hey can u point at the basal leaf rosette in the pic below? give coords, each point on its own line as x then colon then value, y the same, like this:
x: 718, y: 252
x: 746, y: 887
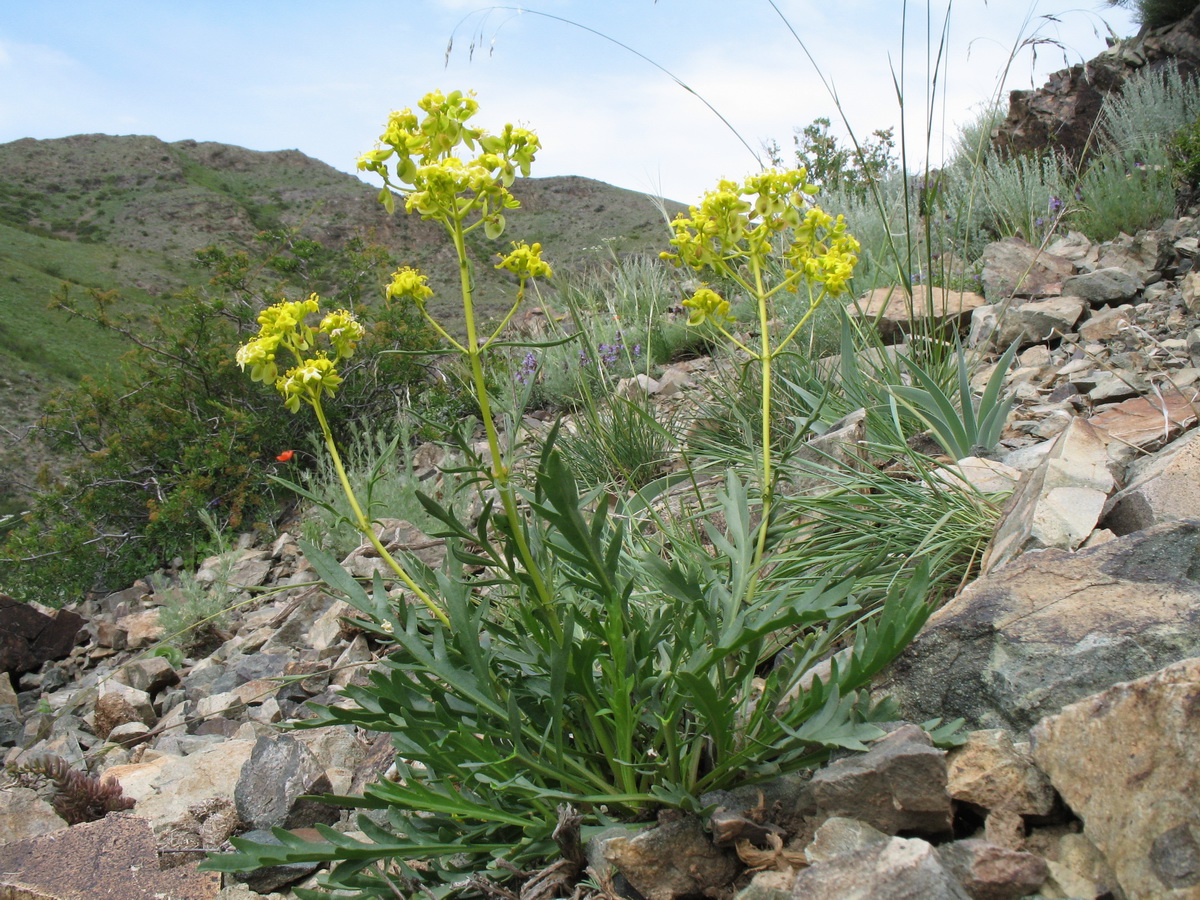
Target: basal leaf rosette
x: 315, y: 349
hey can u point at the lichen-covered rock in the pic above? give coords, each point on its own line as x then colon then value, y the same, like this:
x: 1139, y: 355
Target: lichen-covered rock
x: 273, y: 784
x: 674, y: 859
x: 1053, y: 627
x: 166, y: 788
x: 1013, y: 267
x: 24, y: 814
x: 895, y: 309
x: 989, y: 872
x: 898, y: 869
x: 991, y: 773
x: 1161, y: 488
x: 114, y: 858
x: 30, y: 637
x: 1103, y: 287
x: 118, y: 704
x: 1059, y: 503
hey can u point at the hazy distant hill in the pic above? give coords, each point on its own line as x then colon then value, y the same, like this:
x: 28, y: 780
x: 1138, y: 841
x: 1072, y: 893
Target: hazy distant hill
x: 129, y: 212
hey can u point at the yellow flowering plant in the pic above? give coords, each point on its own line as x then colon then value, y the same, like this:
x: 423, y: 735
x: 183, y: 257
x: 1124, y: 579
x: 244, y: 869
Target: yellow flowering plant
x: 573, y: 665
x: 416, y: 157
x: 733, y: 233
x: 316, y: 351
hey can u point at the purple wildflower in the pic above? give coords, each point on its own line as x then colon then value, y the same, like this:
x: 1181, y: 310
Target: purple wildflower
x: 528, y: 368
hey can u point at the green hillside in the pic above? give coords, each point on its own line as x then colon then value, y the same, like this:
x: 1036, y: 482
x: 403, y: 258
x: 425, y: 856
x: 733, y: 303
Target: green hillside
x: 127, y: 214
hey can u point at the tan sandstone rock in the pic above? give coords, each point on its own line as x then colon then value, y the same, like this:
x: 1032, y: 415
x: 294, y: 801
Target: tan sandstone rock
x: 1127, y: 761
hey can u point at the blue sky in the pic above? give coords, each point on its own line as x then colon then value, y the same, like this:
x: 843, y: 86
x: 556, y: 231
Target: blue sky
x: 321, y: 76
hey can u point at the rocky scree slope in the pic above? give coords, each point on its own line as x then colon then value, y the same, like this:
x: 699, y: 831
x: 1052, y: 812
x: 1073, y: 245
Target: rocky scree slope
x: 1074, y: 657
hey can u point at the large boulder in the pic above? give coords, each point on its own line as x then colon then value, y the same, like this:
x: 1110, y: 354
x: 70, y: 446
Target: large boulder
x: 1062, y: 114
x: 29, y: 637
x: 1127, y: 761
x: 1051, y: 628
x: 896, y: 309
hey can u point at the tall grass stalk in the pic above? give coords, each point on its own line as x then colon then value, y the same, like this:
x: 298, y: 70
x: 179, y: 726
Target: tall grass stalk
x: 916, y: 517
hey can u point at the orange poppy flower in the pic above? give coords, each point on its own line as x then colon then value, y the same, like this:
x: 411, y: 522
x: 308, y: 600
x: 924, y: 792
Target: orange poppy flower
x: 286, y: 455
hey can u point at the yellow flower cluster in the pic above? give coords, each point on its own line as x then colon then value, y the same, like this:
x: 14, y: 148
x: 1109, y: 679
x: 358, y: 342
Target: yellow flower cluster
x: 525, y: 261
x: 307, y: 381
x: 438, y: 184
x: 706, y: 303
x: 282, y: 326
x: 409, y: 284
x: 737, y: 223
x: 823, y: 251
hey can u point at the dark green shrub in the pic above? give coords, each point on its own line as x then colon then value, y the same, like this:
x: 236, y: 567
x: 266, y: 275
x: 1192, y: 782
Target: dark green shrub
x: 834, y: 166
x: 1185, y: 156
x: 1157, y: 13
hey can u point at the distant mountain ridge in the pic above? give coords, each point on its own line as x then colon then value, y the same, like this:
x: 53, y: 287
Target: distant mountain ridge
x: 141, y: 193
x: 129, y: 212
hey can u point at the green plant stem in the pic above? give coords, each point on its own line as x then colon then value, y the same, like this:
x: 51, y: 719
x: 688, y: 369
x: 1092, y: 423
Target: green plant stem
x: 765, y: 360
x: 499, y: 470
x: 512, y: 310
x: 362, y: 523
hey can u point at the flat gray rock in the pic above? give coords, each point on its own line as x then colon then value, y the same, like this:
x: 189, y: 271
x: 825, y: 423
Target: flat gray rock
x: 899, y: 869
x: 1051, y: 628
